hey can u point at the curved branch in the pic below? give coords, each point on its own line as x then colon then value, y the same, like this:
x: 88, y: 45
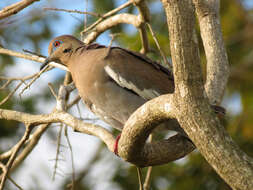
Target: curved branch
x: 133, y: 138
x: 106, y: 15
x: 110, y: 22
x: 132, y: 146
x: 217, y: 61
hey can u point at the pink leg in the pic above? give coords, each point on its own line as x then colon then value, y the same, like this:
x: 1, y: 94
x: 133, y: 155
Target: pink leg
x: 115, y: 150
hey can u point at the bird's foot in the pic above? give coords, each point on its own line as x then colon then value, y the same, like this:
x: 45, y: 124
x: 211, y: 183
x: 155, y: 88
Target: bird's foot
x: 115, y: 150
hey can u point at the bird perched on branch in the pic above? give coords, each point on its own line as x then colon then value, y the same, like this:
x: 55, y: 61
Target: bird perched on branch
x: 113, y: 82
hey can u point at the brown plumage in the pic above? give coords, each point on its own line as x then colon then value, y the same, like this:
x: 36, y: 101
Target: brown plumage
x: 113, y: 82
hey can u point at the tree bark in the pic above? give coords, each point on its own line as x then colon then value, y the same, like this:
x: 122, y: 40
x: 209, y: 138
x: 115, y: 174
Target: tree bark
x: 217, y: 60
x: 192, y: 106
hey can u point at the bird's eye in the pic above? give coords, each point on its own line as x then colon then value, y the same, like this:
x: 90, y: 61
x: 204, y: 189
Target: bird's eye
x: 57, y: 43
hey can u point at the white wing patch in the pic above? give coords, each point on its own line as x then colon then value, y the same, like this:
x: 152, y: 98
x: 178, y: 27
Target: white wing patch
x: 147, y: 94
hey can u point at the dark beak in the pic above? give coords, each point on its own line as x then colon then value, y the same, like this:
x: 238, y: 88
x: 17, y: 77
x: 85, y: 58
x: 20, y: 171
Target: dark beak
x: 45, y: 64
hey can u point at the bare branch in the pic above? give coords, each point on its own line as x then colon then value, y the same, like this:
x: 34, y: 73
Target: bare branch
x: 14, y: 183
x: 15, y: 8
x: 22, y: 81
x: 216, y: 55
x: 133, y: 138
x: 30, y: 144
x: 14, y: 154
x: 139, y: 178
x: 30, y: 57
x: 108, y: 14
x: 73, y: 102
x: 63, y: 117
x: 11, y: 93
x: 22, y: 55
x: 144, y: 16
x: 110, y: 22
x: 57, y: 152
x: 191, y: 106
x: 36, y: 76
x: 159, y: 47
x: 74, y: 11
x: 146, y: 184
x: 72, y: 158
x: 52, y: 90
x: 132, y: 144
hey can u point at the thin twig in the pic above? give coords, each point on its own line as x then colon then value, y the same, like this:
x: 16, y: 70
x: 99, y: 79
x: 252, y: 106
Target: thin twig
x: 33, y: 53
x: 14, y: 183
x: 14, y: 154
x: 139, y: 178
x: 73, y: 102
x: 11, y: 94
x: 74, y: 11
x: 79, y: 111
x: 147, y: 179
x: 110, y: 44
x: 159, y: 47
x: 146, y: 184
x: 110, y: 13
x: 29, y: 145
x: 35, y: 78
x: 72, y: 158
x: 52, y: 90
x: 21, y: 55
x: 57, y: 152
x: 22, y: 81
x: 86, y: 15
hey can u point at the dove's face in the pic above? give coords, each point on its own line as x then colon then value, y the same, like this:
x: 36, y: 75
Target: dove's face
x: 61, y: 48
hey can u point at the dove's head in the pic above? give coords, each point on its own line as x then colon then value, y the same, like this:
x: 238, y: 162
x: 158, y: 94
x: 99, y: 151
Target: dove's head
x: 61, y: 48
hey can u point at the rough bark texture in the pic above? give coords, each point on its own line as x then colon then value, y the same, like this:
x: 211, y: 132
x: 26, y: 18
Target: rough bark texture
x: 217, y: 61
x: 132, y: 145
x: 192, y: 107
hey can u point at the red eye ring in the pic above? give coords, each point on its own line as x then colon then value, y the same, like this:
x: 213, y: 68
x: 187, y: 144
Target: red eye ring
x: 57, y: 43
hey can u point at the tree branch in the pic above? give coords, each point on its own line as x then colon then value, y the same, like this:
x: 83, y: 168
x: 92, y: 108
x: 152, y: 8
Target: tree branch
x: 216, y: 55
x: 63, y: 117
x: 191, y: 106
x: 110, y: 22
x: 15, y: 8
x: 154, y: 153
x: 132, y: 146
x: 30, y: 57
x: 14, y: 154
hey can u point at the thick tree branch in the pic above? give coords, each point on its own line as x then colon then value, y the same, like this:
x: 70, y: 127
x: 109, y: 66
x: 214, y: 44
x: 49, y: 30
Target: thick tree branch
x: 192, y: 109
x: 132, y: 146
x: 216, y: 55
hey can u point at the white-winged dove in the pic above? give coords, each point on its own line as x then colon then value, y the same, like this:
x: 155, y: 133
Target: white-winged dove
x: 113, y: 82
